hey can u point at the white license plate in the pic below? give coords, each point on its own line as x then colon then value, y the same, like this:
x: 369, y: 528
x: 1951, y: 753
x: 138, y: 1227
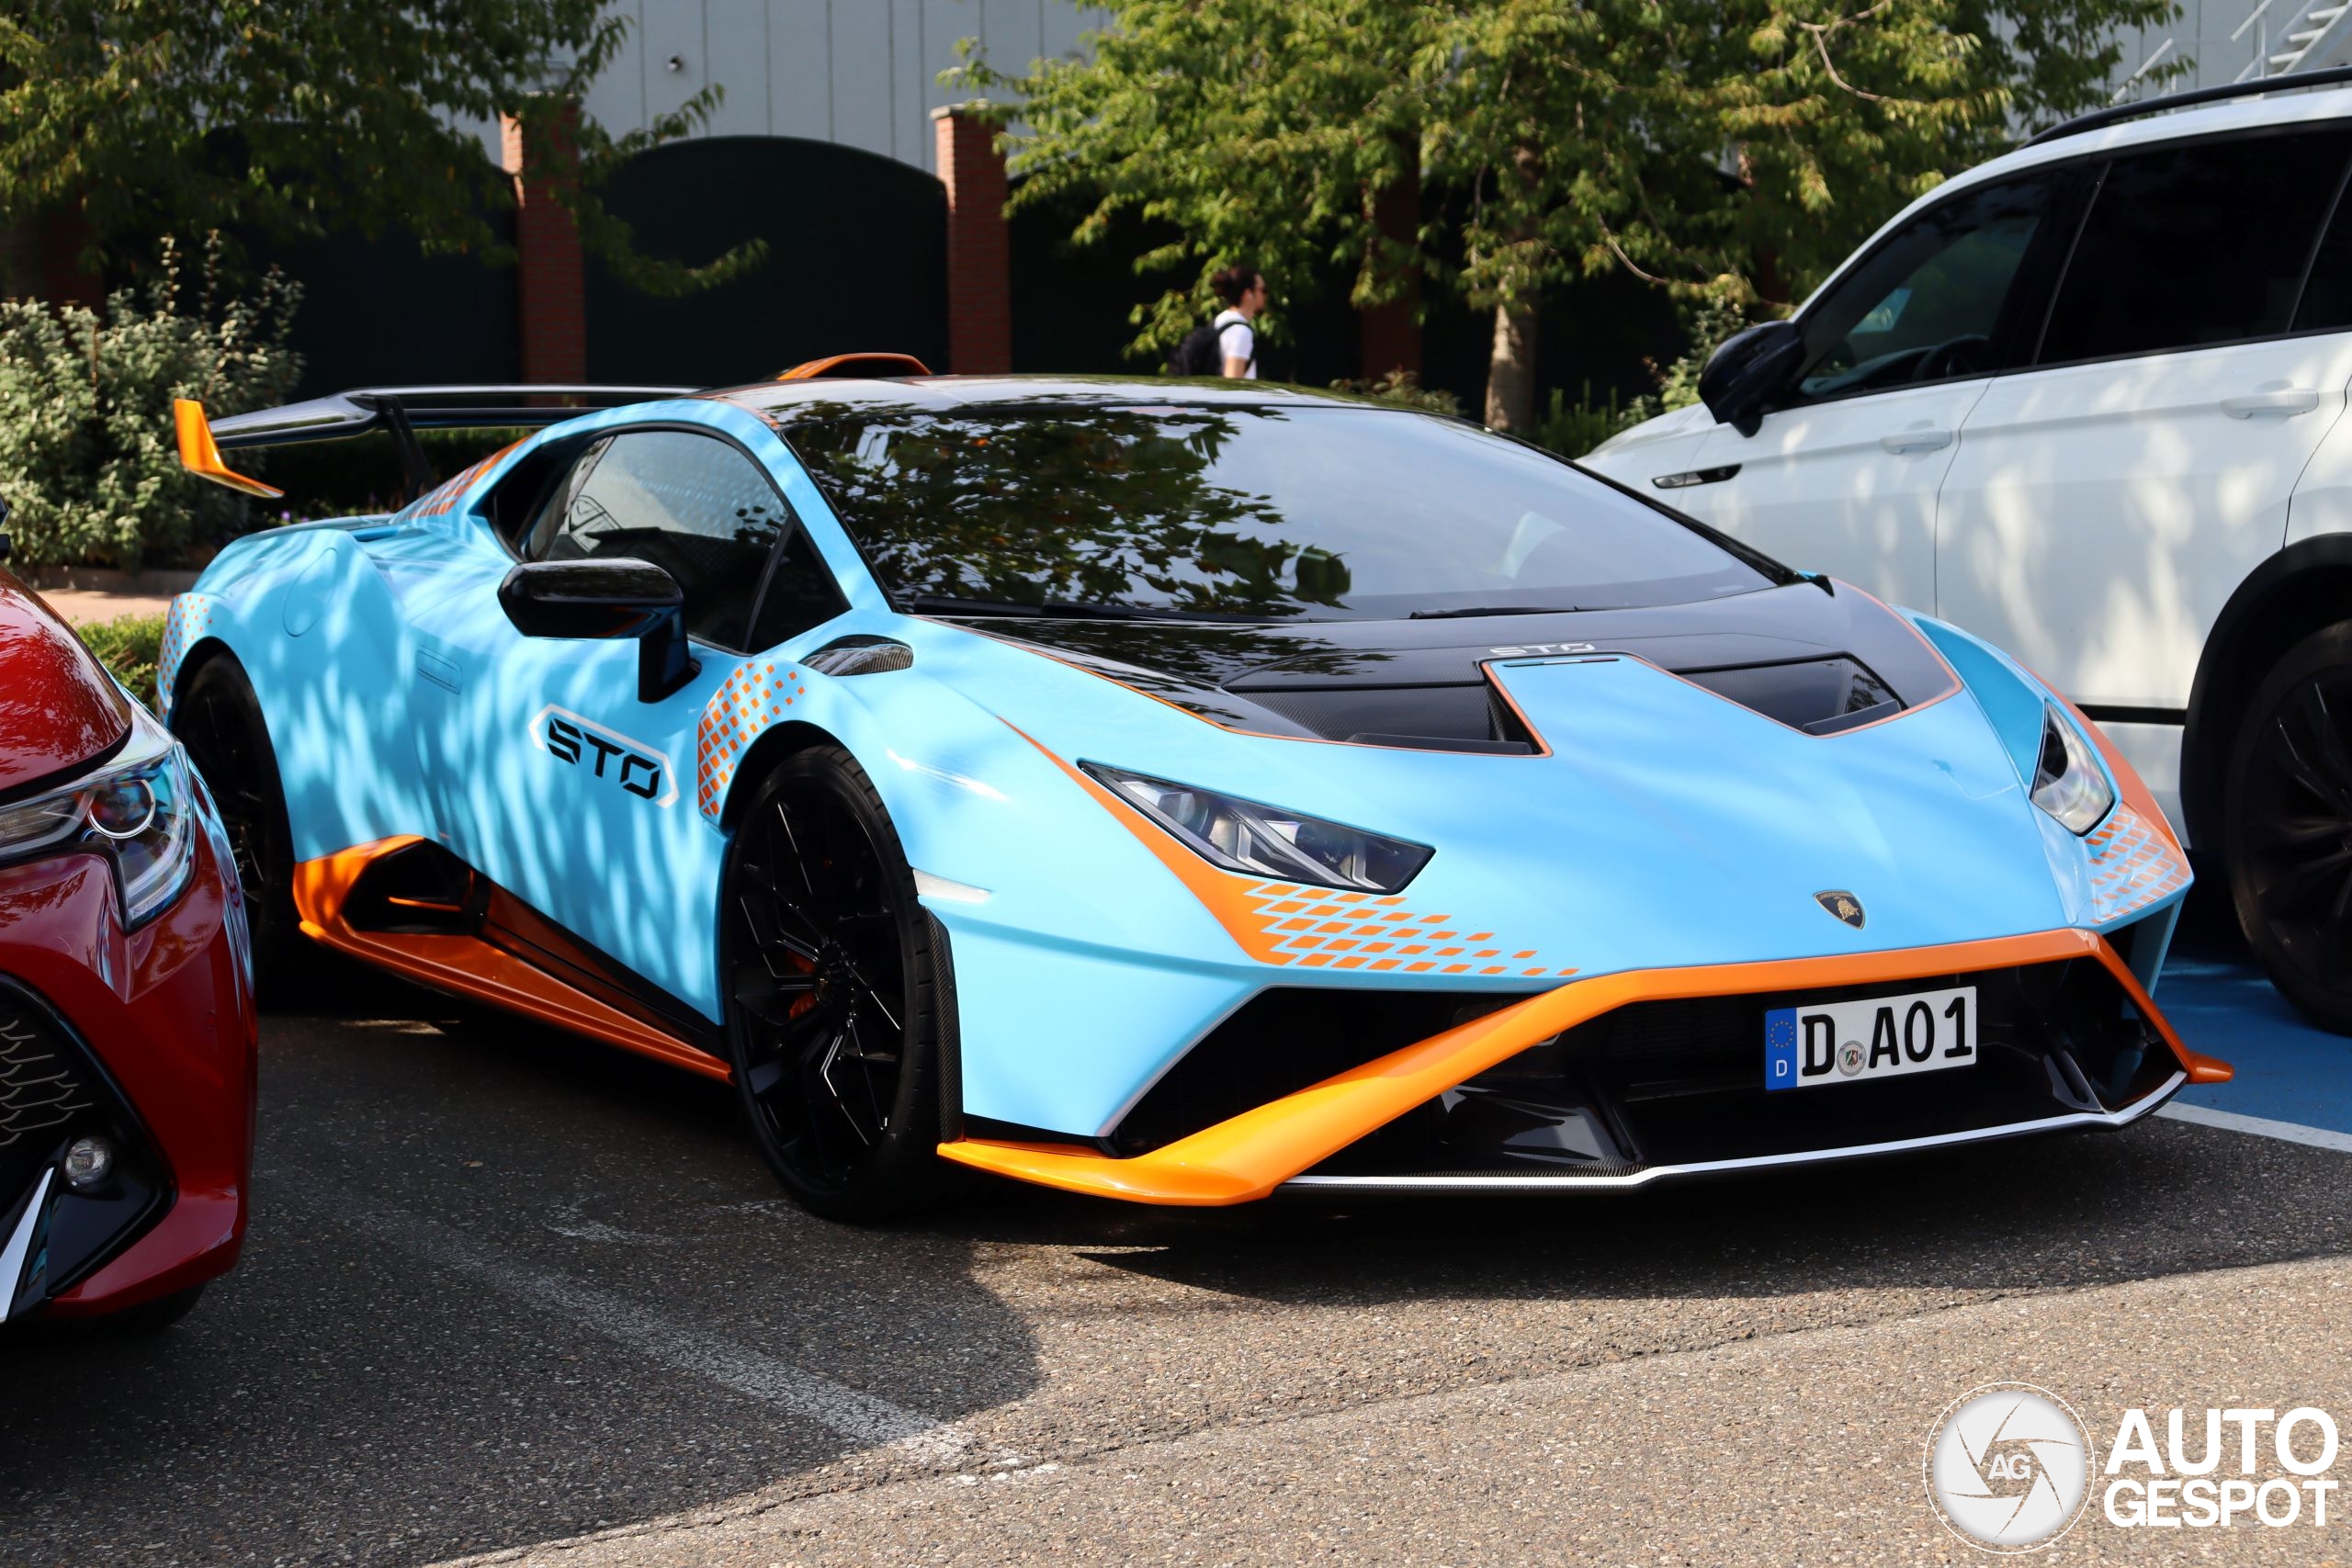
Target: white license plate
x: 1879, y: 1037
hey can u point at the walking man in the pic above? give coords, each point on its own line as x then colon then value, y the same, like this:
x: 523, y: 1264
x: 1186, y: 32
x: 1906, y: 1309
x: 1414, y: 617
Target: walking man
x: 1243, y: 290
x: 1227, y: 345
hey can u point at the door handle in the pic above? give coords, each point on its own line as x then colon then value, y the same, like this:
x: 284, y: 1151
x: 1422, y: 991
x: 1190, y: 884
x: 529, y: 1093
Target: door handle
x: 2287, y: 404
x: 1920, y: 438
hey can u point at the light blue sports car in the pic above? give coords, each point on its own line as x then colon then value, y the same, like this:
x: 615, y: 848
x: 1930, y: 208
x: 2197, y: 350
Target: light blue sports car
x: 1170, y: 790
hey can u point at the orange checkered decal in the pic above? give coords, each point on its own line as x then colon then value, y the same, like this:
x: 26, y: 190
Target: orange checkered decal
x: 747, y: 702
x: 183, y: 626
x: 2133, y: 863
x: 1316, y: 928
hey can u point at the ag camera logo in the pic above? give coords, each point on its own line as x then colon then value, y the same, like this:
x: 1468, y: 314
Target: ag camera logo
x: 2008, y: 1467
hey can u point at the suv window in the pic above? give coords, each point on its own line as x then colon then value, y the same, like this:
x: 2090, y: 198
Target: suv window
x: 2197, y: 244
x: 2326, y: 304
x: 692, y: 504
x: 1930, y: 304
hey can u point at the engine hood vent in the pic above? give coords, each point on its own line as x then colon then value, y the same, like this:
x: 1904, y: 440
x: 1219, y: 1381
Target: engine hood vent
x: 1818, y: 662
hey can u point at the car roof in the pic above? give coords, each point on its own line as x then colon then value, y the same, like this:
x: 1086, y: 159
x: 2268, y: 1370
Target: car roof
x: 784, y: 401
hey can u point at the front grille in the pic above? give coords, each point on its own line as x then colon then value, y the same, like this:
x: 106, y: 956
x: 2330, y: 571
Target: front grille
x: 38, y: 1089
x: 42, y: 1090
x: 1672, y: 1083
x: 1282, y: 1040
x: 51, y: 1092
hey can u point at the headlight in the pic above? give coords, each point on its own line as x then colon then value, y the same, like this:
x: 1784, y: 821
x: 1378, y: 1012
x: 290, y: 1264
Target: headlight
x: 1263, y: 840
x: 138, y: 810
x: 2068, y: 783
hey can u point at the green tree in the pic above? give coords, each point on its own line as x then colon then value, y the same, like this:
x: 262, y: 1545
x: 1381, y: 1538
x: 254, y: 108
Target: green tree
x: 293, y: 119
x: 1732, y: 150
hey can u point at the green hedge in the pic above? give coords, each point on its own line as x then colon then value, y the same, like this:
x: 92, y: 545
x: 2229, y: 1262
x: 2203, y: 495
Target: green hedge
x: 88, y: 461
x: 129, y: 645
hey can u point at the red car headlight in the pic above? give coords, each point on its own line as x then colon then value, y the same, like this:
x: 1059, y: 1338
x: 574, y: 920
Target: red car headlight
x: 138, y: 809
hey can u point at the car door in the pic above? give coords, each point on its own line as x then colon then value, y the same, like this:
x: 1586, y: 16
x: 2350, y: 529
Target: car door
x: 2108, y: 497
x: 582, y: 795
x: 1841, y: 477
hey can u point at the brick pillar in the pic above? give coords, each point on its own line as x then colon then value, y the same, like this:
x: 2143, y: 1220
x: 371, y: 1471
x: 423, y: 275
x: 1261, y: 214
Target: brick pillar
x: 979, y: 268
x: 1388, y: 337
x: 550, y: 276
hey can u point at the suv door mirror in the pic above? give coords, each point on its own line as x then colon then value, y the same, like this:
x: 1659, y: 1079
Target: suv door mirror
x: 609, y: 599
x: 1748, y: 371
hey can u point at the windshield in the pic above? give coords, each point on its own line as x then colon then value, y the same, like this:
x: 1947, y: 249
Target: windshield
x: 1265, y: 512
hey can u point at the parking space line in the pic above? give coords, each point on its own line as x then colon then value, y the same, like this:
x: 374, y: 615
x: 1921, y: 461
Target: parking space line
x: 2260, y: 1126
x: 860, y: 1418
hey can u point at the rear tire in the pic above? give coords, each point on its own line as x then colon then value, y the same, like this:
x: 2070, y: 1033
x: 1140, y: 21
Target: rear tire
x: 218, y: 719
x: 833, y: 1014
x: 2286, y: 827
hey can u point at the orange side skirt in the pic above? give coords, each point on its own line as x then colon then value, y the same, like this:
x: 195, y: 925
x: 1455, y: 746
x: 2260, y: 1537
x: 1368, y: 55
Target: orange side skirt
x: 467, y: 966
x: 1249, y: 1156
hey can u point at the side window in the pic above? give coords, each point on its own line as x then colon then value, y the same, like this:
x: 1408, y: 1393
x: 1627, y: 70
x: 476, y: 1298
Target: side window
x: 2187, y: 246
x: 692, y: 504
x: 1933, y: 302
x: 800, y: 594
x: 2326, y: 304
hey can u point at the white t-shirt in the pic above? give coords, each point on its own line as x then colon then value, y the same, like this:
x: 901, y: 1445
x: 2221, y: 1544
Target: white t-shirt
x: 1236, y: 341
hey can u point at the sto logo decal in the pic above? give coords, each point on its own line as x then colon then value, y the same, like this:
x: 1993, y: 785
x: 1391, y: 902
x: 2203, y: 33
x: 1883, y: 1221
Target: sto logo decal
x: 581, y: 742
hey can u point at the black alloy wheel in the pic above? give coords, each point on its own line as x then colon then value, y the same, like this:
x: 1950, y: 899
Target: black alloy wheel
x: 834, y: 1028
x: 218, y: 721
x: 2288, y: 828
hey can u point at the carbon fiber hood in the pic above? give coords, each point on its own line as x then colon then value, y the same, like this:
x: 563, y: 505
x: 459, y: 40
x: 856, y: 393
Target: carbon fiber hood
x: 1815, y: 656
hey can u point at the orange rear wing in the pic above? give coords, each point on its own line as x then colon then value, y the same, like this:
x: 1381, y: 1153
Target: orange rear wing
x: 401, y: 411
x: 200, y: 455
x: 880, y: 366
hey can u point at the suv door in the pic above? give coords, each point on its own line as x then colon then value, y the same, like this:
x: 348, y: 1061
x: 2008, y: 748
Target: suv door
x: 577, y: 797
x: 1842, y: 477
x: 2106, y: 500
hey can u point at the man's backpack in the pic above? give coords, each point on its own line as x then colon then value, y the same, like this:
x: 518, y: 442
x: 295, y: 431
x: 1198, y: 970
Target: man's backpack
x: 1199, y: 353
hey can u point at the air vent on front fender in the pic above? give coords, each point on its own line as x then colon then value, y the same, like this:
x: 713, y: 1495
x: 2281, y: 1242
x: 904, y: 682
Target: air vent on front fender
x: 1820, y: 696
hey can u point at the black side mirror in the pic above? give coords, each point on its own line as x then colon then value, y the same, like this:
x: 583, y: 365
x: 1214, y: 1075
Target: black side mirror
x: 606, y: 598
x: 1748, y: 371
x: 6, y: 548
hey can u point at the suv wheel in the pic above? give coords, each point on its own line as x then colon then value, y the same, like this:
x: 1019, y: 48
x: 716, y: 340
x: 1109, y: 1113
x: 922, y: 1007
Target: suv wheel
x: 2286, y: 829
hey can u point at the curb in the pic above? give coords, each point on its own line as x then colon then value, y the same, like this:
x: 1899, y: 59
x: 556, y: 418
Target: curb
x: 105, y: 579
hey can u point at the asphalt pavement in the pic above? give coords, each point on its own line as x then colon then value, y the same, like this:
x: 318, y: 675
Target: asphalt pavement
x: 510, y: 1294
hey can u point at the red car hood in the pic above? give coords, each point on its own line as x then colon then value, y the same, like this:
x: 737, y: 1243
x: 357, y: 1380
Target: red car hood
x: 57, y: 707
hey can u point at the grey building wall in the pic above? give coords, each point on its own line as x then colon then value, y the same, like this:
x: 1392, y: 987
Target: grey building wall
x: 864, y: 73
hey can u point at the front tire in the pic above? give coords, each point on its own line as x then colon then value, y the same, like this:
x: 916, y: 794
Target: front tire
x: 832, y: 1020
x: 2287, y: 832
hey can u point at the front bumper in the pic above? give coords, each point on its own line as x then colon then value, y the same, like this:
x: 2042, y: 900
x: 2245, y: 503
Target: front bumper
x: 149, y: 1038
x: 1330, y: 1134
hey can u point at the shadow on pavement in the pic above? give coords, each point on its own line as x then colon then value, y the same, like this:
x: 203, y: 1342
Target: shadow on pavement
x: 504, y: 1286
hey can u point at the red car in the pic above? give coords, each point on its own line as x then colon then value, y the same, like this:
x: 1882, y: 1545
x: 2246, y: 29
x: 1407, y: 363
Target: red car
x: 125, y: 996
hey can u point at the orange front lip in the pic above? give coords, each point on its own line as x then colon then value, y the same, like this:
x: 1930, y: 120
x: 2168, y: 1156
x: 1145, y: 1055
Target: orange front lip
x: 1250, y: 1154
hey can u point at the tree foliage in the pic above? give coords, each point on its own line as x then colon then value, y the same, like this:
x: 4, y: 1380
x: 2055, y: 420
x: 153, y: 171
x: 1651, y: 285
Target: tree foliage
x: 1726, y: 149
x: 155, y: 117
x: 88, y: 462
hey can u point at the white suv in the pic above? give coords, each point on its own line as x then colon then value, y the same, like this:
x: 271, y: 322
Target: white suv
x: 2087, y: 401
